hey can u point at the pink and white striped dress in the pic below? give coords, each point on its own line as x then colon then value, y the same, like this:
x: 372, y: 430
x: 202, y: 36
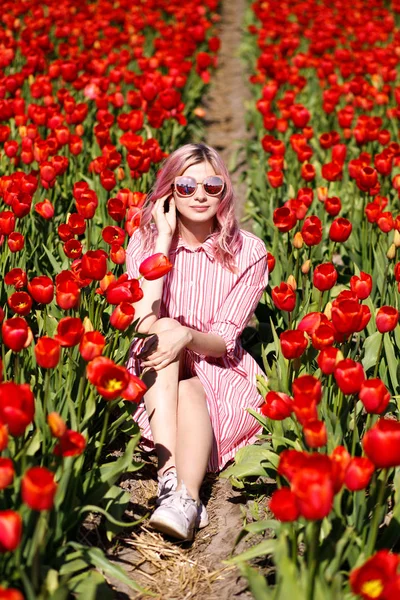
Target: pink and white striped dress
x: 201, y: 294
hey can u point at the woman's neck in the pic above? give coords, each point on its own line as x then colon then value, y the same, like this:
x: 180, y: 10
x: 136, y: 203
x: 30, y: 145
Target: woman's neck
x: 197, y: 233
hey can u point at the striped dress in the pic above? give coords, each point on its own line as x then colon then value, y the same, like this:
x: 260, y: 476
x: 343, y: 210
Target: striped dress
x: 201, y: 294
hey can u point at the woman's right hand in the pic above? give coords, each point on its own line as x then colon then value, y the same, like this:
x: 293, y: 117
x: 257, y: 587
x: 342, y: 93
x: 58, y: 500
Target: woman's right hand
x: 165, y: 221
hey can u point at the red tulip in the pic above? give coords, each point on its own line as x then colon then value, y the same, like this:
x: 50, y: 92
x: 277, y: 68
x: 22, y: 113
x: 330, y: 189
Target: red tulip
x: 155, y: 266
x: 312, y: 231
x: 94, y: 264
x: 47, y: 352
x: 311, y: 322
x: 340, y: 460
x: 284, y: 297
x: 358, y: 473
x: 327, y: 359
x: 72, y: 443
x: 284, y: 219
x: 69, y: 331
x: 10, y: 530
x: 349, y: 376
x: 113, y: 235
x: 73, y: 249
x: 307, y: 387
x: 17, y: 406
x: 45, y: 209
x: 315, y: 434
x: 361, y: 286
x: 16, y: 333
x: 293, y: 343
x: 325, y: 277
x: 387, y: 318
x: 92, y: 345
x: 374, y: 395
x: 371, y: 579
x: 38, y: 488
x: 67, y: 294
x: 123, y: 316
x: 109, y: 379
x: 41, y: 289
x: 17, y: 278
x: 271, y: 262
x: 382, y: 443
x: 275, y: 178
x: 7, y: 222
x: 135, y: 389
x: 3, y: 436
x: 10, y: 594
x: 283, y: 505
x: 347, y: 315
x: 117, y: 254
x: 7, y: 472
x: 323, y: 336
x: 20, y: 303
x: 16, y: 241
x: 278, y: 406
x: 340, y: 230
x: 124, y: 290
x: 314, y: 493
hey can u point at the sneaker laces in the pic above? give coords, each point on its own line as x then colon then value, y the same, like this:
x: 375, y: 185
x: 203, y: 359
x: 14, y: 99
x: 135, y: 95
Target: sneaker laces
x: 166, y: 485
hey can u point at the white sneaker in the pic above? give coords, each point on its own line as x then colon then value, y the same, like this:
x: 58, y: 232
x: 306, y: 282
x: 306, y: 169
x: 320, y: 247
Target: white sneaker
x: 177, y: 515
x: 167, y: 484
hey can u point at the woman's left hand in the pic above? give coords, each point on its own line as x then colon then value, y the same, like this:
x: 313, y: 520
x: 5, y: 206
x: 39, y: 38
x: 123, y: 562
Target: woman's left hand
x: 162, y: 348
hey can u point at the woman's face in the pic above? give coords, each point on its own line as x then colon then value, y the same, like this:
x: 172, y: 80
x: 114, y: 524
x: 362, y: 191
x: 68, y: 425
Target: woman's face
x: 201, y: 207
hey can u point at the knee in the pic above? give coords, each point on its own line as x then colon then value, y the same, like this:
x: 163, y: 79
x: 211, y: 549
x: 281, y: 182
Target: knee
x: 191, y: 390
x: 164, y: 324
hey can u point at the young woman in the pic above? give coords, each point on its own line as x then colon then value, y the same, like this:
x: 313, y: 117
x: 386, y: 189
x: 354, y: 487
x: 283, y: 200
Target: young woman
x: 200, y: 380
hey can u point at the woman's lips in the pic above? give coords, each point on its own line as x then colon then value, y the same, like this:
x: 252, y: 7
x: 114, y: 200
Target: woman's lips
x: 200, y: 208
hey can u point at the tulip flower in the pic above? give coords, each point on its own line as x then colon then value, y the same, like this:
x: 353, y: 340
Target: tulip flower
x: 283, y: 505
x: 94, y: 264
x: 374, y: 395
x: 67, y: 295
x: 41, y: 289
x: 325, y: 277
x: 92, y: 345
x: 340, y: 460
x: 323, y: 336
x: 314, y: 493
x: 71, y: 443
x: 278, y: 406
x: 135, y: 389
x: 17, y: 406
x: 10, y: 530
x: 327, y: 359
x: 122, y: 316
x: 124, y: 290
x: 340, y: 230
x: 155, y: 266
x: 284, y: 297
x: 15, y: 241
x: 47, y: 352
x: 311, y: 322
x: 293, y: 343
x: 307, y: 387
x: 361, y: 286
x: 20, y: 303
x: 109, y: 379
x: 7, y: 472
x: 10, y: 594
x: 349, y: 376
x: 3, y: 436
x: 371, y: 579
x: 347, y: 315
x: 312, y: 231
x: 315, y: 434
x: 38, y: 488
x: 382, y: 443
x: 387, y: 319
x: 271, y: 262
x: 45, y: 209
x: 17, y: 278
x: 57, y: 424
x: 358, y: 473
x: 69, y: 331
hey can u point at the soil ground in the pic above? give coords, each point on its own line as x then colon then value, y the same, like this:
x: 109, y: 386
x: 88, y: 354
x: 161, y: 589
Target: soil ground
x: 196, y: 570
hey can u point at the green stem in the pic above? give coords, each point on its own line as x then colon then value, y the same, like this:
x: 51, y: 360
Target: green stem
x: 16, y: 368
x: 355, y: 430
x: 378, y: 357
x: 102, y: 435
x: 313, y: 558
x: 373, y: 532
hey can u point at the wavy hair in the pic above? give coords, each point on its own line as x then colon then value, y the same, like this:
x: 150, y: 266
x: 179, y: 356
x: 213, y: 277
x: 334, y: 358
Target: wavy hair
x: 227, y: 242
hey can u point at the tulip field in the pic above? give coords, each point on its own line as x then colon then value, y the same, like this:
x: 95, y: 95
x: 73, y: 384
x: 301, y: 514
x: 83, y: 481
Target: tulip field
x: 323, y: 176
x: 93, y: 96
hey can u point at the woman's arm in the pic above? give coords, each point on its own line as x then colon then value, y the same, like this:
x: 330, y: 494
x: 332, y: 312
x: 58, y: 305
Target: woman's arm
x: 209, y: 344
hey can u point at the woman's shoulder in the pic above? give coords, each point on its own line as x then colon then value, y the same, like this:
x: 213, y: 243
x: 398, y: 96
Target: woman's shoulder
x: 252, y: 245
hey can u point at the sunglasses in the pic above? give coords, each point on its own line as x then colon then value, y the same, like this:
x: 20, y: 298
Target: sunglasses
x: 187, y: 186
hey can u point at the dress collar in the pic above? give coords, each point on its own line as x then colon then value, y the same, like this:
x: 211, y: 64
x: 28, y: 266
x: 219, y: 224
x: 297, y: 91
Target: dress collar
x: 206, y: 246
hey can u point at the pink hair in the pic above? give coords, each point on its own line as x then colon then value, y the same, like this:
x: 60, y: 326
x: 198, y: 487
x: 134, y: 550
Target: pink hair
x: 228, y: 241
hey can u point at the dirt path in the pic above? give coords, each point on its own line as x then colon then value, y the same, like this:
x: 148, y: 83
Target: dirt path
x: 195, y: 571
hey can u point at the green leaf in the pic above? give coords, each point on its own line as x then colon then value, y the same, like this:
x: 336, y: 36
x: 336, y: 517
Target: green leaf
x: 392, y: 362
x: 264, y: 548
x: 248, y: 462
x: 257, y: 584
x: 90, y: 585
x: 371, y: 348
x: 56, y: 266
x: 96, y: 557
x: 256, y: 528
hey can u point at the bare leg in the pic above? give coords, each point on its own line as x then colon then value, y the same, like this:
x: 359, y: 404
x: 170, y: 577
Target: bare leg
x: 161, y: 401
x: 194, y: 435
